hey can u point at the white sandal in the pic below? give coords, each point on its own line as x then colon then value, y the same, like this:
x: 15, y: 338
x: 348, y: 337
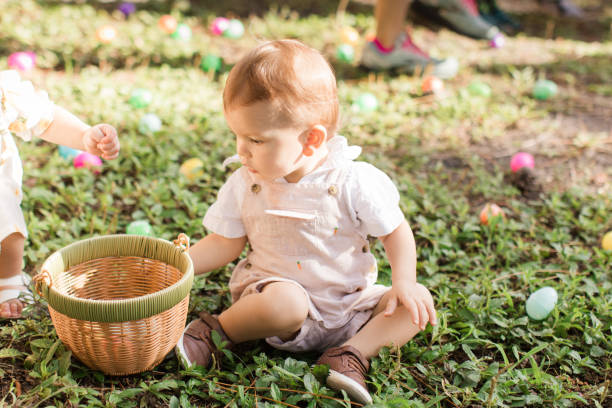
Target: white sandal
x: 16, y: 287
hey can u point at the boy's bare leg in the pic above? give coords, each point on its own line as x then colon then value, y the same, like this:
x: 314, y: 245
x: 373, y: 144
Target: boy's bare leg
x: 390, y: 16
x: 382, y: 330
x: 279, y: 310
x: 11, y: 261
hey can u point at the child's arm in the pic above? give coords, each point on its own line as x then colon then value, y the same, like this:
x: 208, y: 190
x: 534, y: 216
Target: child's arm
x: 401, y: 252
x: 215, y: 251
x: 68, y: 130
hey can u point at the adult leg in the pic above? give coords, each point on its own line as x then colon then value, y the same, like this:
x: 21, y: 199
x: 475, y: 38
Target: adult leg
x: 390, y: 16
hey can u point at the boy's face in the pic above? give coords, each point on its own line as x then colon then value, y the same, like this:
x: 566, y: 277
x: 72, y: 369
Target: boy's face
x: 268, y: 146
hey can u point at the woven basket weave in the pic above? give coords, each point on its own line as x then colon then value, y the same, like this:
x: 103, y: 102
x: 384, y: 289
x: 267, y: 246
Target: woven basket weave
x: 119, y: 302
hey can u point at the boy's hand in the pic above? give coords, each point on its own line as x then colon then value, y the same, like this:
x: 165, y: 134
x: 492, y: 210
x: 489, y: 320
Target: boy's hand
x: 417, y: 299
x: 102, y: 140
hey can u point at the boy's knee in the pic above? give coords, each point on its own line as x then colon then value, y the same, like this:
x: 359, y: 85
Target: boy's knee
x: 288, y: 305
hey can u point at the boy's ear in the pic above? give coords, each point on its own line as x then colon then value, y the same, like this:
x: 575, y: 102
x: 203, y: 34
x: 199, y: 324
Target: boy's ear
x: 316, y: 136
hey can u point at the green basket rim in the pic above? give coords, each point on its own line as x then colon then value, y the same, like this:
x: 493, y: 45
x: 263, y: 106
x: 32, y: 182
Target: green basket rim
x: 118, y: 310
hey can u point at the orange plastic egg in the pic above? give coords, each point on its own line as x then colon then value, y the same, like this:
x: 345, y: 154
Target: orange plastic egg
x: 167, y: 23
x: 489, y: 211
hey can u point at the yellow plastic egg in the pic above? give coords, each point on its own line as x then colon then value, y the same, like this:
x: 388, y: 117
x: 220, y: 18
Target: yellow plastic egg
x: 606, y: 241
x: 192, y: 169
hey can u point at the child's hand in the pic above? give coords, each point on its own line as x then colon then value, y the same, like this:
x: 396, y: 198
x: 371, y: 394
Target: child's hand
x: 102, y: 140
x: 417, y: 299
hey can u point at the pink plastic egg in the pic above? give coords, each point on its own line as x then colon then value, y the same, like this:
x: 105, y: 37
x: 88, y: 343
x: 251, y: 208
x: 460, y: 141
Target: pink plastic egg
x: 89, y: 161
x: 22, y: 61
x: 521, y: 160
x: 219, y: 25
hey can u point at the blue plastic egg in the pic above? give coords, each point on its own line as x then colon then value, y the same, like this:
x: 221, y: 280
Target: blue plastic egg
x: 149, y: 123
x: 541, y: 302
x: 68, y: 153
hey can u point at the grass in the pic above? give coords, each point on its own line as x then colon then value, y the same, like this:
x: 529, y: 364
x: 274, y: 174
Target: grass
x: 448, y: 157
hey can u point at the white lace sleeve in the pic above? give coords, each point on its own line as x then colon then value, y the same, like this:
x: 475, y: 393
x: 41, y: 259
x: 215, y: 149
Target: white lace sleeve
x: 24, y: 111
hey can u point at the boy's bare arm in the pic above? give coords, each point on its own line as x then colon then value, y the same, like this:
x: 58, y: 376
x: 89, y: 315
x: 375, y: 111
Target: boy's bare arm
x: 401, y: 252
x: 215, y: 251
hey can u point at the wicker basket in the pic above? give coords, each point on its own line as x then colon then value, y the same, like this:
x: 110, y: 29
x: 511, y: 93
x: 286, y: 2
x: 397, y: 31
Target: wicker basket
x: 119, y: 302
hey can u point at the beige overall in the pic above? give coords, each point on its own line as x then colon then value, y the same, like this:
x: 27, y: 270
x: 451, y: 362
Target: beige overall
x: 303, y: 233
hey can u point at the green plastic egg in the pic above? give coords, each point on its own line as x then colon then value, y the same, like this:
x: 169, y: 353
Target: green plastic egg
x: 541, y: 302
x: 366, y: 102
x: 140, y: 228
x: 182, y: 32
x: 345, y: 53
x: 478, y: 88
x: 544, y: 89
x: 212, y: 63
x: 235, y: 29
x: 140, y: 98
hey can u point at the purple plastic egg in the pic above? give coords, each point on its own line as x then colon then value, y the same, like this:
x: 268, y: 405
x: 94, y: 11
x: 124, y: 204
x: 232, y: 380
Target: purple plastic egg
x: 127, y: 8
x: 88, y: 160
x: 22, y: 61
x: 498, y: 41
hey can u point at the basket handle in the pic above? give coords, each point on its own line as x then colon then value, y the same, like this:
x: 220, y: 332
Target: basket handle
x: 43, y: 277
x: 182, y: 241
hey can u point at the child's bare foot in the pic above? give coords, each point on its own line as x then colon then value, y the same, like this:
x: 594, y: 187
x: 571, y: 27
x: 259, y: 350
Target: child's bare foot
x: 10, y: 290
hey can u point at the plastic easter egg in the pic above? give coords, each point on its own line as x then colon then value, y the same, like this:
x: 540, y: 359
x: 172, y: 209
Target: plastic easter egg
x: 140, y: 227
x: 544, y: 89
x: 68, y: 153
x: 541, y: 302
x: 345, y: 53
x: 520, y: 160
x: 606, y: 241
x: 127, y: 8
x: 22, y: 61
x: 167, y: 23
x: 149, y: 123
x: 235, y: 29
x: 192, y: 169
x: 498, y: 41
x: 349, y: 35
x: 182, y: 32
x: 140, y: 98
x: 87, y: 160
x: 366, y: 102
x: 478, y: 88
x: 432, y: 84
x: 106, y: 34
x: 211, y: 63
x: 489, y: 212
x: 219, y: 25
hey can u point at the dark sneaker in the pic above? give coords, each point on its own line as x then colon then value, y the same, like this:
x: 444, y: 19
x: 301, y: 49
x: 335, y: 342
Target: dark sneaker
x: 459, y: 15
x: 569, y: 9
x: 490, y: 11
x: 196, y: 346
x: 347, y: 371
x: 408, y: 58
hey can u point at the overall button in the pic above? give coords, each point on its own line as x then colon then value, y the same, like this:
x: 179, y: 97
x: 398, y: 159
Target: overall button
x: 365, y: 248
x: 333, y: 190
x: 255, y: 188
x: 247, y: 265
